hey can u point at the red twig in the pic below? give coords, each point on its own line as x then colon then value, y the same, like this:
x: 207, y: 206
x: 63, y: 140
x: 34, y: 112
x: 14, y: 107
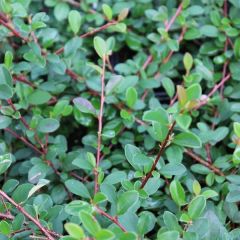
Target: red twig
x: 214, y: 89
x: 172, y: 20
x: 203, y: 162
x: 100, y: 123
x: 208, y: 151
x: 112, y: 219
x: 15, y: 33
x: 24, y: 140
x: 27, y: 215
x: 92, y: 32
x: 23, y: 79
x: 160, y: 153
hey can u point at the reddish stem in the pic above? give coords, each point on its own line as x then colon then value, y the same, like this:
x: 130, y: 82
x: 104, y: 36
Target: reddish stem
x: 100, y: 124
x: 172, y: 20
x: 214, y: 89
x: 27, y: 215
x: 112, y: 219
x: 203, y: 162
x: 22, y: 78
x: 92, y: 32
x: 24, y: 140
x: 15, y: 33
x: 160, y: 153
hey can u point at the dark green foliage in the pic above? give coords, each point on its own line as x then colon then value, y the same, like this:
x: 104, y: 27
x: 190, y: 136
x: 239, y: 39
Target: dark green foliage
x: 119, y: 119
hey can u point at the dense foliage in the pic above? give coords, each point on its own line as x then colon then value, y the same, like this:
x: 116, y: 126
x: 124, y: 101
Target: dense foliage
x: 120, y: 119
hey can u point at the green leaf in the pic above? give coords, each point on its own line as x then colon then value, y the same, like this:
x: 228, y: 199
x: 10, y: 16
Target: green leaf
x: 188, y: 139
x: 184, y: 121
x: 171, y: 169
x: 74, y: 230
x: 130, y: 152
x: 84, y: 105
x: 104, y: 234
x: 77, y: 188
x: 196, y: 207
x: 177, y: 193
x: 188, y: 61
x: 89, y: 223
x: 6, y: 92
x: 8, y: 59
x: 48, y: 125
x: 74, y: 19
x: 20, y: 194
x: 5, y: 162
x: 146, y: 222
x: 125, y: 201
x: 61, y: 11
x: 85, y: 161
x: 194, y: 92
x: 131, y: 96
x: 169, y: 86
x: 182, y: 96
x: 209, y: 31
x: 39, y: 97
x: 209, y: 194
x: 5, y: 228
x: 236, y: 128
x: 237, y: 48
x: 100, y: 46
x: 171, y: 221
x: 158, y: 115
x: 173, y: 235
x: 196, y: 187
x: 107, y: 11
x: 4, y: 121
x: 5, y: 76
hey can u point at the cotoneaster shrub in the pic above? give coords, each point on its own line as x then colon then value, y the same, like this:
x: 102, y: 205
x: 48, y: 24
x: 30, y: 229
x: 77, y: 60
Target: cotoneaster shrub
x: 120, y: 119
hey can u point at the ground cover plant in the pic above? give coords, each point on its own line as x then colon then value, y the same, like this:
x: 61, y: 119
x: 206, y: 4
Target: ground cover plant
x: 119, y: 119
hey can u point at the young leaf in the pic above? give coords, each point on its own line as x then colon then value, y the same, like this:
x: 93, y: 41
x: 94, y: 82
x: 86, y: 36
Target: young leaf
x: 236, y: 128
x: 237, y: 48
x: 123, y: 14
x: 100, y: 46
x: 107, y: 11
x: 74, y: 19
x: 196, y: 187
x: 177, y: 193
x: 131, y: 96
x: 188, y: 62
x: 8, y: 59
x: 182, y: 95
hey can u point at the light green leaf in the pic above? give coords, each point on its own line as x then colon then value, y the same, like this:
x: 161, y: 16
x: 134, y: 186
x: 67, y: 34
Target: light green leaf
x: 74, y: 230
x: 107, y: 11
x: 177, y: 193
x: 89, y: 223
x: 100, y: 46
x: 74, y: 19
